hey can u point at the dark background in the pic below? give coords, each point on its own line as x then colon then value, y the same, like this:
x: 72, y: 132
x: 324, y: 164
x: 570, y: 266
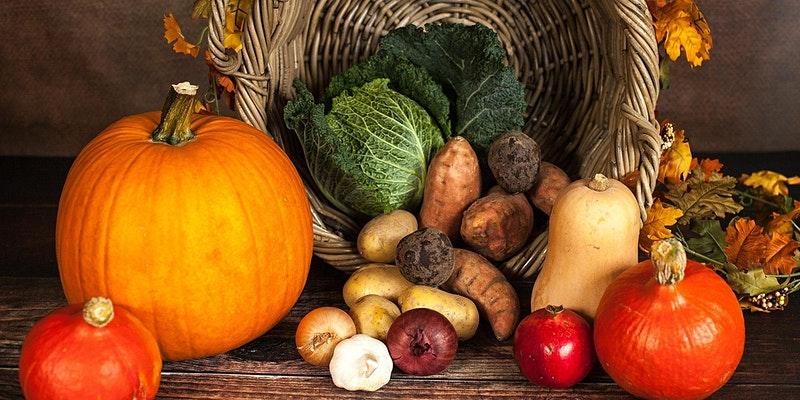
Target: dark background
x: 69, y: 68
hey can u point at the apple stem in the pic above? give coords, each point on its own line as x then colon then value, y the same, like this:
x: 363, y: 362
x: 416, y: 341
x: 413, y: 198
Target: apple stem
x: 554, y: 310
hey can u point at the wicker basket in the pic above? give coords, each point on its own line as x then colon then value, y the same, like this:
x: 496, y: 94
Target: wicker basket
x: 590, y: 68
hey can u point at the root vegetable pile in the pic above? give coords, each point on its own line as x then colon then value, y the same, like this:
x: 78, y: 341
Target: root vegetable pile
x: 439, y: 226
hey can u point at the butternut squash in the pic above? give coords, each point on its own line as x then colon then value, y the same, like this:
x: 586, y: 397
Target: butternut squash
x: 593, y: 237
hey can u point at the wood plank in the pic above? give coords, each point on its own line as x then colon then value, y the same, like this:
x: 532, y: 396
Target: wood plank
x: 773, y: 340
x: 183, y: 385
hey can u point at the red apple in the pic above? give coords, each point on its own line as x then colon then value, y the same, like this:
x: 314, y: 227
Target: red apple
x: 553, y: 347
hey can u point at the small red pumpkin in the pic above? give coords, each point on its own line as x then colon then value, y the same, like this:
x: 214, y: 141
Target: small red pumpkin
x: 668, y: 328
x: 94, y: 351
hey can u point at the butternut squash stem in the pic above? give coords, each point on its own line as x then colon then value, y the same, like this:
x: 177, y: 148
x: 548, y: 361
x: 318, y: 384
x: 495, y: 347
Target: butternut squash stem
x: 669, y: 258
x: 599, y: 183
x: 98, y: 312
x: 174, y: 127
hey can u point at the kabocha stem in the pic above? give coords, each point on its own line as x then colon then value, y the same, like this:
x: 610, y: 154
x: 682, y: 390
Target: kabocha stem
x: 98, y: 311
x: 669, y: 258
x: 176, y: 115
x: 598, y: 183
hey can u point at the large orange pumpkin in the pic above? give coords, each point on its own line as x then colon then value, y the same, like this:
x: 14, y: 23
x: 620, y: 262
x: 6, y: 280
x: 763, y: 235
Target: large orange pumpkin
x: 197, y: 224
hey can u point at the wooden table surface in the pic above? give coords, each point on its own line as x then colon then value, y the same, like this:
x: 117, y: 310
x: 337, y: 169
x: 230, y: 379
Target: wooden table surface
x: 270, y: 367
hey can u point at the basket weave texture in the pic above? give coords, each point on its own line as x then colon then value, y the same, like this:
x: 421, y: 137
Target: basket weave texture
x: 590, y: 68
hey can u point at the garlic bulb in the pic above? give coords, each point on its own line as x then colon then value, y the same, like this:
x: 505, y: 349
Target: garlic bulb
x: 361, y: 363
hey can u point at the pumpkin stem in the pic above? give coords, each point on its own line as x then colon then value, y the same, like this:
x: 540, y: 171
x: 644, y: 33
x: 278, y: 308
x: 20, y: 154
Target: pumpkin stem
x: 598, y: 183
x: 669, y: 258
x: 176, y: 115
x: 98, y: 311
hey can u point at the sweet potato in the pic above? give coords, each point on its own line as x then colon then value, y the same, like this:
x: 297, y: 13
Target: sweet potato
x: 452, y: 184
x: 477, y: 279
x: 498, y: 225
x: 549, y: 184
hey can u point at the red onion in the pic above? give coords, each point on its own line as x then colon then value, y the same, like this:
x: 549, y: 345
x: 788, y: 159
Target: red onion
x: 422, y: 342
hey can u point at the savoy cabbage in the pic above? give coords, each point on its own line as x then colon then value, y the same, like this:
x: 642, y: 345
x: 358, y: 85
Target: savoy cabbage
x: 369, y: 154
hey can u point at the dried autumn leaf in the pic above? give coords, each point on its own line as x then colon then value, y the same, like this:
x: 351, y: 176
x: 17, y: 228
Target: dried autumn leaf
x: 200, y: 107
x: 771, y: 182
x: 747, y: 244
x: 201, y: 8
x: 235, y: 18
x: 222, y: 80
x: 226, y: 82
x: 654, y: 5
x: 172, y: 32
x: 681, y: 25
x: 232, y: 38
x: 710, y: 241
x: 631, y: 179
x: 676, y: 160
x: 655, y: 227
x: 753, y: 282
x: 782, y: 223
x: 780, y: 251
x: 699, y: 199
x: 707, y: 166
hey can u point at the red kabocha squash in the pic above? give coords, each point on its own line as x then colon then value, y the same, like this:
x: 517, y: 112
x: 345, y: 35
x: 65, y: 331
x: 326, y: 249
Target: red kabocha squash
x: 94, y: 351
x: 198, y: 224
x: 669, y: 328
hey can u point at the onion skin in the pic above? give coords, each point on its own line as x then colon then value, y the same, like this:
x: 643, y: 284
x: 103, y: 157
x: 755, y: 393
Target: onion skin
x: 320, y: 331
x: 553, y: 347
x: 669, y: 341
x: 422, y: 342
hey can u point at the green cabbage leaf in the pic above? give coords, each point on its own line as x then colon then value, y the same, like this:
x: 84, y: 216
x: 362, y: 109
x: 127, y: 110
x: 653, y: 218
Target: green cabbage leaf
x: 369, y: 154
x: 408, y: 79
x: 470, y: 64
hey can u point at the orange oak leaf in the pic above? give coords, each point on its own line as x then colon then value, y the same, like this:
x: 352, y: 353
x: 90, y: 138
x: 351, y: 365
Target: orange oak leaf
x: 771, y: 182
x: 654, y: 5
x: 223, y: 80
x: 631, y: 179
x: 232, y: 39
x: 226, y: 82
x: 782, y: 223
x: 676, y: 160
x: 172, y: 32
x: 780, y: 250
x: 655, y: 228
x: 201, y: 8
x: 235, y: 18
x: 747, y: 244
x: 680, y: 25
x: 708, y: 166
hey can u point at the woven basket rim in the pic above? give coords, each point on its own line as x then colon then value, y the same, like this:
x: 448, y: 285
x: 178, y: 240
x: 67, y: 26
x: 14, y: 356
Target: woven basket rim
x: 272, y: 57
